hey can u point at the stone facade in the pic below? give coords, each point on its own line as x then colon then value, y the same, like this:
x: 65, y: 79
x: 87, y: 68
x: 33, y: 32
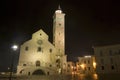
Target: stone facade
x: 107, y: 58
x: 39, y: 56
x: 70, y: 67
x: 86, y: 65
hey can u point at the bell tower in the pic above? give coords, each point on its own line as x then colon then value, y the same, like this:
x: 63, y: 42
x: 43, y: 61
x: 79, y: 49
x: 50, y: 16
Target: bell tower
x: 59, y: 31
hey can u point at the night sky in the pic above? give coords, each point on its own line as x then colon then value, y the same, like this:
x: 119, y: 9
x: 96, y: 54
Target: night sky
x: 87, y: 23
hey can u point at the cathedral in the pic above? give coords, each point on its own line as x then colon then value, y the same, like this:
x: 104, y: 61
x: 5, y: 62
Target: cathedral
x: 39, y: 56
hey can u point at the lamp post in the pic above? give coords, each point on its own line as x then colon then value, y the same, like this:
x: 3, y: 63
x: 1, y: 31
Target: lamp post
x: 14, y: 48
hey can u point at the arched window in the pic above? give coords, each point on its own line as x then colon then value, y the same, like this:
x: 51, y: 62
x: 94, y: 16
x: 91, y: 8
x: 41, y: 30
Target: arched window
x: 39, y: 49
x: 58, y: 61
x: 28, y: 73
x: 37, y: 63
x: 50, y: 50
x: 26, y: 48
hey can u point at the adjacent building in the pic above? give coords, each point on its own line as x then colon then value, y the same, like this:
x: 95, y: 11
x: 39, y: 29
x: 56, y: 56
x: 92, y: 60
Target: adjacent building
x: 39, y: 56
x: 70, y: 67
x: 86, y: 65
x: 107, y: 58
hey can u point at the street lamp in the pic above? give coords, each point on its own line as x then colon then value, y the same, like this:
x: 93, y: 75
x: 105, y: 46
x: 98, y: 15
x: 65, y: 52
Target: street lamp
x: 14, y: 48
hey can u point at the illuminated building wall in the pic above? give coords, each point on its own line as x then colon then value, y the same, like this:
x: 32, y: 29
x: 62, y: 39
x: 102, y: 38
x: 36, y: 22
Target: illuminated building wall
x: 70, y: 67
x: 107, y: 58
x: 86, y: 65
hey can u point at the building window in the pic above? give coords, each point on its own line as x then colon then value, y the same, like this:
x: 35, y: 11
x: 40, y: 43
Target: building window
x: 68, y: 70
x: 26, y: 48
x: 102, y: 68
x: 59, y: 24
x: 89, y: 68
x: 50, y: 65
x: 112, y: 67
x: 101, y: 53
x: 40, y: 34
x: 58, y: 65
x: 102, y: 61
x: 59, y: 33
x: 39, y: 49
x: 68, y: 65
x: 48, y: 73
x: 85, y: 68
x: 110, y: 52
x: 28, y: 73
x: 85, y: 62
x: 119, y: 52
x: 59, y: 50
x: 21, y: 71
x: 111, y: 60
x: 58, y: 61
x: 37, y: 63
x: 115, y: 53
x: 50, y: 50
x: 59, y: 42
x: 88, y: 61
x: 24, y: 64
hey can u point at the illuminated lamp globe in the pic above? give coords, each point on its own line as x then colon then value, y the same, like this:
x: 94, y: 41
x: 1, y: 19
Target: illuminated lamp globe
x: 14, y: 47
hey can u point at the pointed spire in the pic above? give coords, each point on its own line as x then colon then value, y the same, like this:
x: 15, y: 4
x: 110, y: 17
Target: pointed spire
x: 59, y: 8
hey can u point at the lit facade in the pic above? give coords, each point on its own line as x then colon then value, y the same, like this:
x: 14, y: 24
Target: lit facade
x: 86, y: 65
x: 70, y: 67
x: 38, y: 55
x: 107, y: 58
